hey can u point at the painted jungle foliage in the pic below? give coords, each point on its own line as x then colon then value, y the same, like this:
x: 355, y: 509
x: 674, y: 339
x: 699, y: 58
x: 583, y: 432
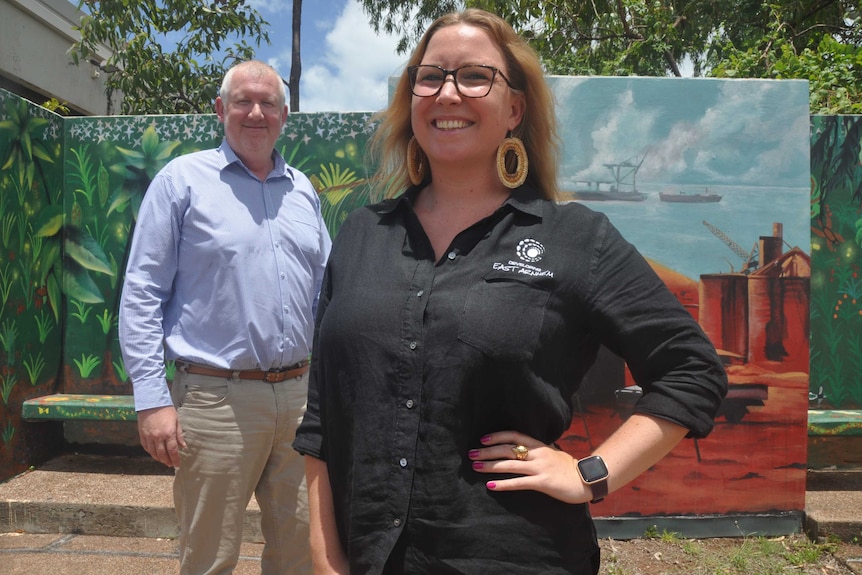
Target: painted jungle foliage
x: 31, y: 267
x: 70, y: 189
x: 836, y: 262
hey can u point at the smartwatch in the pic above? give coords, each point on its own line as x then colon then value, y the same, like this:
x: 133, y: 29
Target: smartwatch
x: 594, y: 472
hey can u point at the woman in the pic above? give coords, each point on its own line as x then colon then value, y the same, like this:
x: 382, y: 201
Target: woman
x: 456, y: 322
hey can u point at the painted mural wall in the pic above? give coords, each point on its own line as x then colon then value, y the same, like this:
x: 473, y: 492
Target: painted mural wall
x: 31, y: 319
x: 708, y: 178
x: 836, y: 275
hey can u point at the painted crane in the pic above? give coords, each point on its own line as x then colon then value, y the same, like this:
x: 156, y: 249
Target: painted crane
x: 750, y: 258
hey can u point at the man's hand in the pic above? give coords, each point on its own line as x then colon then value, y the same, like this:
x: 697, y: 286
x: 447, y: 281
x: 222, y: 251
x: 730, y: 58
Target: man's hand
x: 161, y: 434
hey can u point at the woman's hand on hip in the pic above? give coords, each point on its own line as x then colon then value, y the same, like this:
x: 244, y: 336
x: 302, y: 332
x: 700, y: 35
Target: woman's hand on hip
x: 539, y: 467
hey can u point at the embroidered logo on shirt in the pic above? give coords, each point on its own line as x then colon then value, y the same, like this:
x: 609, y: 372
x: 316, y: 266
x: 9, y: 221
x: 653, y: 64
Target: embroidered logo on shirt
x: 530, y: 251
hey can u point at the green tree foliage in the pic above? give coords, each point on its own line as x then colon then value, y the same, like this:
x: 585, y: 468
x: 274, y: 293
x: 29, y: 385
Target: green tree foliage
x: 206, y: 38
x: 817, y: 40
x: 831, y: 62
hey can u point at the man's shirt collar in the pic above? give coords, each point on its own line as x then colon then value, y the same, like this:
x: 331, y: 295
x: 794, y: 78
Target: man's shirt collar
x: 280, y: 167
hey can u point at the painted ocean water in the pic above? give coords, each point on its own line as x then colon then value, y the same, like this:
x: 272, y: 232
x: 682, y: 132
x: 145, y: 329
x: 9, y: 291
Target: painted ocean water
x: 674, y: 235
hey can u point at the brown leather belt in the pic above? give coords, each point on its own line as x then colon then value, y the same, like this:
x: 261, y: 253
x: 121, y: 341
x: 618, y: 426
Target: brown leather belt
x: 271, y: 376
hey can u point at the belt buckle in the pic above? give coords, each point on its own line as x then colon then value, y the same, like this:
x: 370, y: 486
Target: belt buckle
x: 274, y: 375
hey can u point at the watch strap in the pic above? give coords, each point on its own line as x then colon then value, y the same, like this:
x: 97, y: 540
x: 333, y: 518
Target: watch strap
x: 600, y: 490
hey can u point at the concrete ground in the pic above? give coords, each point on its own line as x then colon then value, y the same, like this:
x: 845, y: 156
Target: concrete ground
x: 91, y: 514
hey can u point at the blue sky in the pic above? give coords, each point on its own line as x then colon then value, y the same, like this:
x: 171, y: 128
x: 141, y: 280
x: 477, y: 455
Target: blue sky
x: 345, y: 65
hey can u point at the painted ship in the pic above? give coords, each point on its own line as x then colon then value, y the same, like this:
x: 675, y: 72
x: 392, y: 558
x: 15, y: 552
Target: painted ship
x: 622, y: 188
x: 598, y: 194
x: 686, y: 198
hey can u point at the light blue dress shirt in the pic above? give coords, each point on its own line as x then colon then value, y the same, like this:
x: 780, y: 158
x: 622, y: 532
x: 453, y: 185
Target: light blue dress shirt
x: 224, y: 270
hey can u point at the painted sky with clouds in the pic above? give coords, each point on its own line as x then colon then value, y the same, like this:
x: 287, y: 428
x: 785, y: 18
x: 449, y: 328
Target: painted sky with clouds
x: 728, y: 132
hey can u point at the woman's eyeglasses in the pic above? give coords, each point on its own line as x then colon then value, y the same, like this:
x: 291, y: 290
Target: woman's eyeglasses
x: 473, y: 81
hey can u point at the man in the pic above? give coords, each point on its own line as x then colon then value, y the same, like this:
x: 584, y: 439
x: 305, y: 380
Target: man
x: 223, y: 277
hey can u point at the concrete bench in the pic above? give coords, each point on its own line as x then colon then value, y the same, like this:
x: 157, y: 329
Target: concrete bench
x: 79, y: 407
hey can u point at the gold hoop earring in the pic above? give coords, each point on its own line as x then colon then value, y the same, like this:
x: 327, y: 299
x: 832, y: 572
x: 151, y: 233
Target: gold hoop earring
x: 416, y: 162
x: 519, y: 176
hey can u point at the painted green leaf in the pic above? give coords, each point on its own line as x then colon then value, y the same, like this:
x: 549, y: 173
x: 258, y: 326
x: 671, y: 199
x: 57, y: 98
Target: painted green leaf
x: 86, y: 251
x: 31, y: 170
x: 26, y: 146
x: 54, y: 295
x: 103, y: 184
x: 134, y: 156
x: 40, y: 152
x: 165, y: 151
x: 78, y: 284
x: 49, y: 221
x: 150, y: 141
x: 49, y: 256
x: 120, y: 199
x: 13, y: 154
x: 36, y: 125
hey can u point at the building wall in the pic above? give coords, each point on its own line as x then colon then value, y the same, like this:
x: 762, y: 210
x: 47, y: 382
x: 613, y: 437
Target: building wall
x: 35, y: 36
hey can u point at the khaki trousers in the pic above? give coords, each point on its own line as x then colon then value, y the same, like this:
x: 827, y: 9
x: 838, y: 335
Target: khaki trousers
x: 238, y: 435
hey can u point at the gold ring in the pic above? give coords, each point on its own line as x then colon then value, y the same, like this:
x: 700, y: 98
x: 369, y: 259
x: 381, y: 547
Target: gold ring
x: 520, y: 452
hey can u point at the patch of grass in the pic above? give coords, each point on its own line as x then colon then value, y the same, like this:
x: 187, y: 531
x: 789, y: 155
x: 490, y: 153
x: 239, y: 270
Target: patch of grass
x: 665, y: 536
x: 807, y: 552
x: 692, y: 548
x: 668, y: 553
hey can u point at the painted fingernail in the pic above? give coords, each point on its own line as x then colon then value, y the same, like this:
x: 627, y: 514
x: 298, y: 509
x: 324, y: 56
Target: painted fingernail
x: 478, y: 465
x: 491, y: 485
x: 473, y: 453
x: 485, y: 438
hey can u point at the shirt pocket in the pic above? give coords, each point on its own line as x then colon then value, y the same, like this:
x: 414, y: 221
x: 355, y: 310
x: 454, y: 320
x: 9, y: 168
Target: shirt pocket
x: 303, y: 233
x: 502, y: 318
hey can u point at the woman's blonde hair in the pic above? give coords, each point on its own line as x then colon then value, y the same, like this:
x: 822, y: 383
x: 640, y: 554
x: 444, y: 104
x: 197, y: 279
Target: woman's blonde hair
x: 537, y: 129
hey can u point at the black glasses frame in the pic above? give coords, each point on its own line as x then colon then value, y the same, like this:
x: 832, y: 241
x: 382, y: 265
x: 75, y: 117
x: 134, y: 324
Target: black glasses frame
x: 412, y: 72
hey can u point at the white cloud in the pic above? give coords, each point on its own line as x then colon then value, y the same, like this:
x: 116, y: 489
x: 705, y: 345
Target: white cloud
x: 352, y: 75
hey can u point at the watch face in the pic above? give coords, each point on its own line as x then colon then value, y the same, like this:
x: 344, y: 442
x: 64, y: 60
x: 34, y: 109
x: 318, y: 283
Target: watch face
x: 592, y: 469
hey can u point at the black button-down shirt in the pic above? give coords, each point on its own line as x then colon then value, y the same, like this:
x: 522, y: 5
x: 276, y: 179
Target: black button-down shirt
x: 416, y: 359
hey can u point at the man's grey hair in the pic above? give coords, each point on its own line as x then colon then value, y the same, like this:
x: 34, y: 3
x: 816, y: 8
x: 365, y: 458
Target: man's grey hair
x: 257, y: 68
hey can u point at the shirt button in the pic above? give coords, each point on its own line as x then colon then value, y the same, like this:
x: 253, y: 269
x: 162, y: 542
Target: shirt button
x: 397, y: 523
x: 413, y: 345
x: 409, y: 404
x: 283, y: 276
x: 420, y: 293
x: 452, y: 255
x: 402, y: 462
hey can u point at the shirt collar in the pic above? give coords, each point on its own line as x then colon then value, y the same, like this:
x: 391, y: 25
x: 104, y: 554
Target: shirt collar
x: 526, y: 199
x: 280, y: 167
